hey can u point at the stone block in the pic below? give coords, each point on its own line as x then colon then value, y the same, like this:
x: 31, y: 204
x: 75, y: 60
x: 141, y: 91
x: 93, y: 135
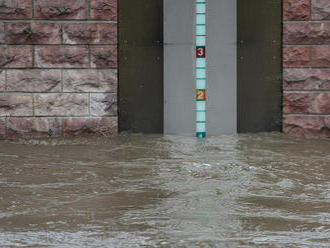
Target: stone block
x: 16, y: 105
x: 327, y: 122
x: 103, y: 104
x: 34, y: 80
x: 305, y: 33
x: 296, y: 10
x: 306, y: 79
x: 104, y: 57
x: 296, y: 103
x: 90, y: 80
x: 307, y: 126
x: 61, y: 9
x: 15, y: 56
x: 104, y: 9
x: 101, y: 126
x: 296, y: 56
x: 53, y: 104
x: 321, y: 56
x: 61, y: 57
x: 321, y: 103
x: 320, y: 10
x: 33, y: 33
x: 30, y: 128
x: 15, y: 9
x: 90, y: 33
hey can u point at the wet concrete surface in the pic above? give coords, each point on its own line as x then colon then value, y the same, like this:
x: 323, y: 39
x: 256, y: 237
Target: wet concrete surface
x: 262, y: 190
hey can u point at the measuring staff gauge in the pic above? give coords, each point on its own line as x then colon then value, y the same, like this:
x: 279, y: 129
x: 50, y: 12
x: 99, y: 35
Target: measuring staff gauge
x: 201, y: 68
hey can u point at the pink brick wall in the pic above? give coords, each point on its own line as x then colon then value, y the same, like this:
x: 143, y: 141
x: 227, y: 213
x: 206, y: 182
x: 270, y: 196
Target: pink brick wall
x: 306, y: 68
x: 58, y: 68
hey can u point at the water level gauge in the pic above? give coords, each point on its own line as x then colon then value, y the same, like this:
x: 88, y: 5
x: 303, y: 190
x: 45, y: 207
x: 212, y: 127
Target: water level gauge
x: 201, y: 68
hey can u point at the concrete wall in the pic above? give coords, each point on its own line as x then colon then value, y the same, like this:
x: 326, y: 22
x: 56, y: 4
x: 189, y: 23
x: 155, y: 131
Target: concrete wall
x: 179, y: 69
x: 306, y: 68
x: 58, y: 61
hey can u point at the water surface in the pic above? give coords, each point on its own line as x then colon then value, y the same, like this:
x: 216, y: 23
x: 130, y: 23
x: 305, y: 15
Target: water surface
x: 262, y: 190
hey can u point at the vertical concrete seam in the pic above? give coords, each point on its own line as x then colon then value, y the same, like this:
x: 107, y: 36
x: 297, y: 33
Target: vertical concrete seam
x: 6, y: 78
x: 89, y: 104
x: 89, y: 9
x: 61, y: 119
x: 310, y: 10
x: 33, y: 56
x: 311, y: 98
x: 310, y: 18
x: 282, y: 66
x: 62, y: 80
x: 33, y: 105
x: 32, y: 9
x: 118, y: 63
x: 89, y: 57
x: 6, y: 128
x: 310, y: 57
x: 62, y: 32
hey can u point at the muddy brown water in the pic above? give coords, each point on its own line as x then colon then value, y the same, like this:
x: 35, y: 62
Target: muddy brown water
x: 262, y: 190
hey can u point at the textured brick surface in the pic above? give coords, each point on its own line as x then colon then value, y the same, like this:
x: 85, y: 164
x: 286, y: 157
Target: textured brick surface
x: 28, y: 128
x: 15, y: 56
x: 2, y: 80
x: 92, y: 33
x: 296, y: 103
x: 306, y: 79
x: 61, y: 104
x: 58, y: 60
x: 296, y: 9
x: 307, y: 126
x: 321, y: 103
x: 104, y: 57
x: 103, y: 104
x: 15, y: 105
x: 306, y: 33
x: 15, y: 9
x: 104, y: 9
x: 104, y: 126
x: 61, y: 57
x: 320, y: 9
x: 61, y: 9
x: 90, y: 80
x: 297, y: 56
x: 321, y: 56
x: 33, y: 33
x: 306, y: 45
x: 34, y: 80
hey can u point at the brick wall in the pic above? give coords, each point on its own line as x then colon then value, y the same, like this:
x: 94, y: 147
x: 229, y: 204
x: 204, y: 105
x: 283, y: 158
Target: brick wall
x: 58, y: 61
x: 306, y: 72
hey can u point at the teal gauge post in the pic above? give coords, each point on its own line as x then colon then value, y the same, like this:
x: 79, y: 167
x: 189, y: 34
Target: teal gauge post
x: 201, y: 68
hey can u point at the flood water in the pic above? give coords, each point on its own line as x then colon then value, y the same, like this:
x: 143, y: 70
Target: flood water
x: 264, y: 190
